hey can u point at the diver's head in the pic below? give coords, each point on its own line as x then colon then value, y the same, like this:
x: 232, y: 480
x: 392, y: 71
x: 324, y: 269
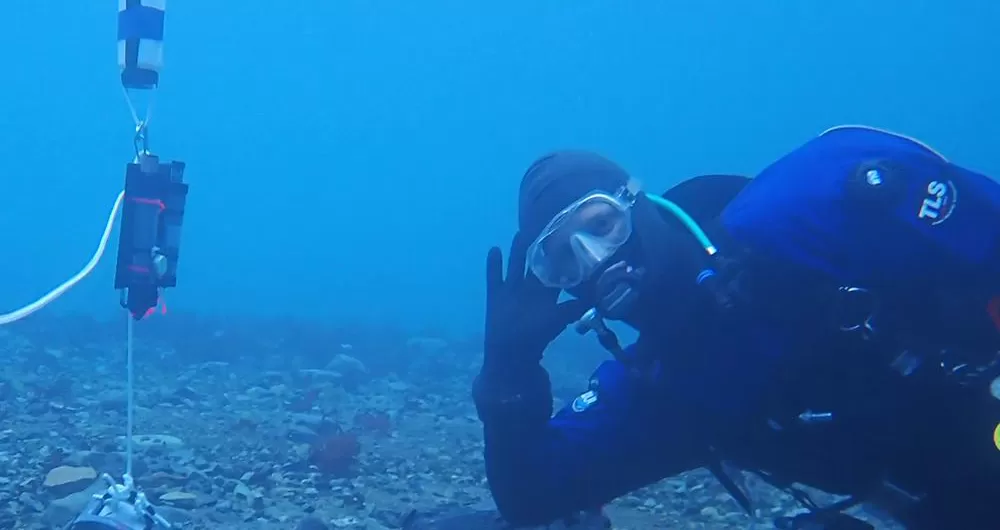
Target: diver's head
x: 592, y: 229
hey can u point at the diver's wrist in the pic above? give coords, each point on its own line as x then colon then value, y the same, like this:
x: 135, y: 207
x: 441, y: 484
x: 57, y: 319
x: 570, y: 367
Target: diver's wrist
x: 504, y: 394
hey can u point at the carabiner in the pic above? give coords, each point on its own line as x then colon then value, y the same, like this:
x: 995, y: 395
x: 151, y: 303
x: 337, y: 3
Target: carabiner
x: 141, y: 139
x: 855, y: 310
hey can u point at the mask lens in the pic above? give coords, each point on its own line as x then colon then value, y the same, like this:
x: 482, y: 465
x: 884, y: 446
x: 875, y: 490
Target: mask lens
x: 579, y: 239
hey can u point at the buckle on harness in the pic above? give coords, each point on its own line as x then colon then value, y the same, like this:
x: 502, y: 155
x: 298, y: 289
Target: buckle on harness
x: 854, y: 310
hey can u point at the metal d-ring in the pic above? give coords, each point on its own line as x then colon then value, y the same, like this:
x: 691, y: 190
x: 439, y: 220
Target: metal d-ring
x: 850, y: 299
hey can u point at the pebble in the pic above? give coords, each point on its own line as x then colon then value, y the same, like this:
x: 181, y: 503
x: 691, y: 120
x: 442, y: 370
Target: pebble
x: 63, y: 480
x: 710, y: 512
x: 254, y: 474
x: 181, y: 499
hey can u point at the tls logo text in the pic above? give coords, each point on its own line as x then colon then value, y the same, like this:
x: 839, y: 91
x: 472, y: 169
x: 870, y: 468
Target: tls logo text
x: 940, y: 202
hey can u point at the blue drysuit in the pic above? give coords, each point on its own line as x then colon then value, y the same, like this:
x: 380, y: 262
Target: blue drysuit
x: 856, y: 206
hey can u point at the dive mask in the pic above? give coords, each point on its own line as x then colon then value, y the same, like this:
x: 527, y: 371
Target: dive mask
x: 582, y: 237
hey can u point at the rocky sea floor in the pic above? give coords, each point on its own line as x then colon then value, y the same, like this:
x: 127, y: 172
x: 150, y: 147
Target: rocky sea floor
x: 274, y: 439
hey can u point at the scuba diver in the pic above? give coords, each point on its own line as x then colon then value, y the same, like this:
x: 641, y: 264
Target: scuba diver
x: 832, y: 322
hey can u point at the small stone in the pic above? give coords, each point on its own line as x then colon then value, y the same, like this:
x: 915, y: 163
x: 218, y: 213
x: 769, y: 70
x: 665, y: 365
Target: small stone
x: 710, y: 513
x: 398, y: 386
x: 65, y: 480
x: 253, y: 498
x: 180, y: 499
x: 146, y: 441
x: 344, y: 522
x: 345, y: 363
